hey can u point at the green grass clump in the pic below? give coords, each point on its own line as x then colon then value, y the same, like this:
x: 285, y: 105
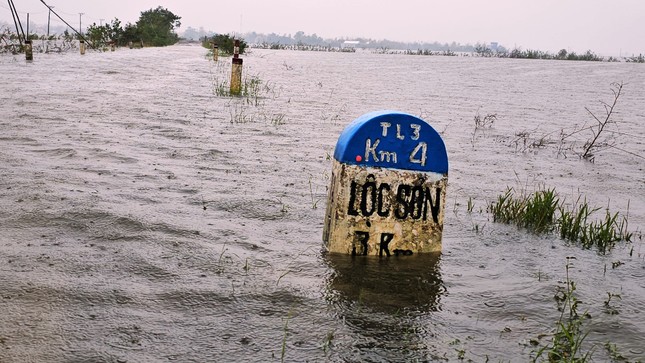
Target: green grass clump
x: 543, y: 211
x: 573, y: 222
x: 534, y: 212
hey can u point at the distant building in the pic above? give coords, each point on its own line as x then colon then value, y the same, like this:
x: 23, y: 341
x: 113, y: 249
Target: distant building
x: 494, y: 46
x: 350, y: 44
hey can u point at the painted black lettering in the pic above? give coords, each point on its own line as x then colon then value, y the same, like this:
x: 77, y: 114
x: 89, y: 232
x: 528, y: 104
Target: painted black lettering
x: 363, y: 237
x: 402, y: 196
x: 369, y: 191
x: 416, y: 202
x: 352, y: 200
x: 386, y: 238
x: 383, y: 210
x: 435, y: 204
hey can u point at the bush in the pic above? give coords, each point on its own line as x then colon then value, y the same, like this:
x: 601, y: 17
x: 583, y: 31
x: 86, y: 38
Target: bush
x: 225, y: 43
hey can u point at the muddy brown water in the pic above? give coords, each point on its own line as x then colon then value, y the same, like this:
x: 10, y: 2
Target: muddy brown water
x: 143, y: 218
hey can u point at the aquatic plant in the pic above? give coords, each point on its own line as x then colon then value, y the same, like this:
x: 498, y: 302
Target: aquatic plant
x: 283, y: 350
x: 542, y: 211
x: 609, y: 308
x: 253, y: 89
x: 534, y: 212
x: 239, y: 114
x: 482, y: 123
x: 567, y: 340
x: 277, y: 119
x: 572, y: 222
x: 603, y: 234
x: 471, y: 205
x: 486, y: 121
x: 312, y: 193
x: 615, y: 354
x: 328, y: 341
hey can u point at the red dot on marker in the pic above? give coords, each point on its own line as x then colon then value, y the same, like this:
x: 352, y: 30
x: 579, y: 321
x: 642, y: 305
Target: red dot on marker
x: 359, y: 158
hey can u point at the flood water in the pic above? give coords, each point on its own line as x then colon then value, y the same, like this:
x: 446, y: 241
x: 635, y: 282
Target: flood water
x: 144, y: 218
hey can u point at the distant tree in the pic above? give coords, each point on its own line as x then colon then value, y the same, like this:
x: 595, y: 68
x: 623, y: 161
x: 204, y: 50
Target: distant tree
x: 130, y: 34
x: 225, y: 43
x: 156, y: 27
x: 562, y: 54
x: 483, y: 50
x: 115, y: 32
x: 67, y: 36
x: 101, y: 35
x: 97, y: 34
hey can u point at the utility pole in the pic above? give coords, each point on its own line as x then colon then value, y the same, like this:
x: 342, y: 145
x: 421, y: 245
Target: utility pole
x: 49, y: 16
x: 80, y: 22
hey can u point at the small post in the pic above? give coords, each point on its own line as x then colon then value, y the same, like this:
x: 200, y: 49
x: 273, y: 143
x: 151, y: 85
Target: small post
x: 130, y: 45
x: 215, y: 52
x: 29, y: 52
x: 112, y: 45
x: 236, y: 76
x: 236, y: 49
x: 82, y: 46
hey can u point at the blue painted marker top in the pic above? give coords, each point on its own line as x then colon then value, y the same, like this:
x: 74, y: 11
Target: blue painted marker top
x: 391, y: 139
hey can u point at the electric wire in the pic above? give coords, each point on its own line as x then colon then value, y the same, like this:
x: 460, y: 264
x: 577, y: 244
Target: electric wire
x: 71, y: 27
x: 16, y: 21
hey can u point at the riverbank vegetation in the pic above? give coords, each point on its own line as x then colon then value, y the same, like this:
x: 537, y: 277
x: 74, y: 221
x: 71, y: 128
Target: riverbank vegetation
x: 302, y: 41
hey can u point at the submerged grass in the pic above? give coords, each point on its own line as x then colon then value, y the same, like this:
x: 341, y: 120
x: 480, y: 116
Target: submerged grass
x: 567, y: 340
x: 534, y: 212
x: 543, y: 211
x: 250, y: 105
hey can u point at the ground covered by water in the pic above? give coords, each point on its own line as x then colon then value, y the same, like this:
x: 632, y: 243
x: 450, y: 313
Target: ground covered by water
x: 146, y: 217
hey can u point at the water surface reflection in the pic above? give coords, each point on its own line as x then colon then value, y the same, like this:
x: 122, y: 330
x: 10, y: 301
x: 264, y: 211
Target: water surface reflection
x: 381, y: 301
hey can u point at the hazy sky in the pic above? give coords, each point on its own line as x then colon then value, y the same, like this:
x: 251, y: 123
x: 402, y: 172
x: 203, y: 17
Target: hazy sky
x: 607, y: 27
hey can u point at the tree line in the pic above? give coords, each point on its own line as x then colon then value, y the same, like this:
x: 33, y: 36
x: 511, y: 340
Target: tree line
x: 155, y: 28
